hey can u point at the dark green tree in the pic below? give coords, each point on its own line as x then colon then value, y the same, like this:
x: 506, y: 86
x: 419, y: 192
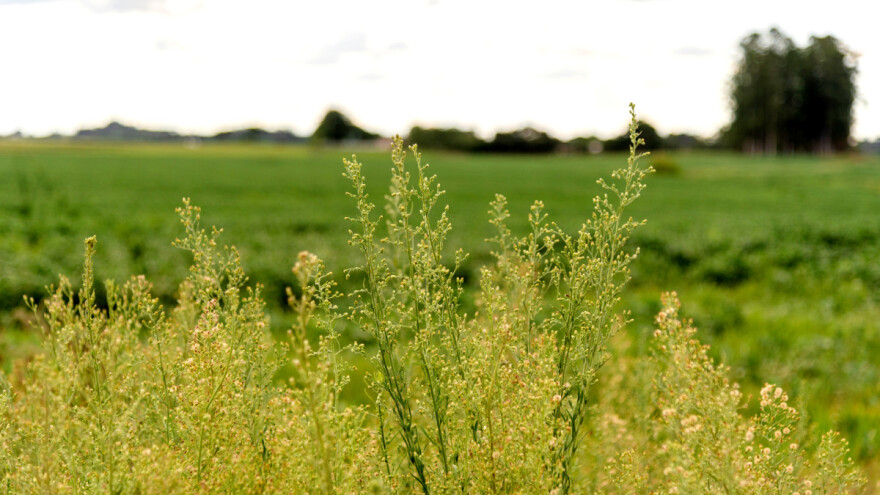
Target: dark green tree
x: 336, y: 127
x: 584, y: 144
x: 647, y: 132
x: 788, y: 99
x: 829, y: 94
x: 526, y: 140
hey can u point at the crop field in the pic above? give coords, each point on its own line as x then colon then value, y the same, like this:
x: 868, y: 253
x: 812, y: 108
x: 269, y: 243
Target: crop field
x: 777, y: 260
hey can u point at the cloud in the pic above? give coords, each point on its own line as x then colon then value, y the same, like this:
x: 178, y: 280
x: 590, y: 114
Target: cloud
x: 20, y: 2
x: 142, y: 6
x: 566, y: 75
x: 397, y: 46
x: 369, y: 77
x: 163, y: 45
x: 583, y: 52
x: 692, y: 51
x: 330, y: 54
x: 102, y: 6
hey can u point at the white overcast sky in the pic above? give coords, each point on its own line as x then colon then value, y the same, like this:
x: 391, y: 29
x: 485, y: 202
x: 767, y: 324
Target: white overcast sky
x: 566, y: 66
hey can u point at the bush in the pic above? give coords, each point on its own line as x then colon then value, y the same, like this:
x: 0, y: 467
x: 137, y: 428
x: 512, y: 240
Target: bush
x: 336, y: 127
x: 526, y: 140
x: 445, y: 139
x: 652, y: 139
x: 140, y: 399
x: 664, y: 164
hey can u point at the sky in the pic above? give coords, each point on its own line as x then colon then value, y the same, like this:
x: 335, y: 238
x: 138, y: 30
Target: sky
x: 568, y: 67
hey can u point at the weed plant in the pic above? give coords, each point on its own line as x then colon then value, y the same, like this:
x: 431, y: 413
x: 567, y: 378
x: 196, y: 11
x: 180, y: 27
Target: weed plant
x: 137, y: 398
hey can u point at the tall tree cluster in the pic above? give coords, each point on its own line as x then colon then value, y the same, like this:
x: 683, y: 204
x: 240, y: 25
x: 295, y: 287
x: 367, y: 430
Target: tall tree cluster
x: 791, y: 99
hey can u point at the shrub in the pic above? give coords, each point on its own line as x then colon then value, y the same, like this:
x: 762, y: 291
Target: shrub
x: 664, y: 164
x: 445, y: 139
x: 336, y: 127
x: 652, y: 139
x: 136, y: 398
x: 526, y: 140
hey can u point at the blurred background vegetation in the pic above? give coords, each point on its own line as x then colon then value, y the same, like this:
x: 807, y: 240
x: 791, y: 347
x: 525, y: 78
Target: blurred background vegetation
x: 768, y: 230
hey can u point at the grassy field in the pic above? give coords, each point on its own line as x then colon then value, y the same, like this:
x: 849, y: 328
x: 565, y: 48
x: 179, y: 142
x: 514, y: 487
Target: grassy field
x: 776, y: 259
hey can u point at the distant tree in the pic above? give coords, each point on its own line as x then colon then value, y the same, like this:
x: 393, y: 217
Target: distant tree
x: 257, y: 135
x: 590, y: 144
x: 650, y: 135
x: 787, y: 99
x: 829, y: 93
x: 526, y: 140
x: 871, y: 147
x: 224, y: 136
x: 765, y: 92
x: 447, y: 139
x: 337, y: 127
x: 251, y: 134
x: 284, y: 136
x: 683, y: 142
x: 114, y: 131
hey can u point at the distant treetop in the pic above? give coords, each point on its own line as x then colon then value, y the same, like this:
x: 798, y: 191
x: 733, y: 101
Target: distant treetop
x: 447, y: 139
x: 526, y: 140
x: 114, y: 131
x: 336, y: 127
x: 791, y: 99
x: 647, y: 132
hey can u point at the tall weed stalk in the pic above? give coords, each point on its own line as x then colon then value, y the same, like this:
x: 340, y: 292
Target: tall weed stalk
x: 451, y: 379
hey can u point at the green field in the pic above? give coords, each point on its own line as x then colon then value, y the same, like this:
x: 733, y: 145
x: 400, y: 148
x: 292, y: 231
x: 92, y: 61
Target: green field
x: 776, y: 259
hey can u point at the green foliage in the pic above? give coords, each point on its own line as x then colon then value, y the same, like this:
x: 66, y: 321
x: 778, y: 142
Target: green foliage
x: 788, y: 99
x: 137, y: 399
x: 510, y: 389
x: 468, y: 372
x: 776, y: 256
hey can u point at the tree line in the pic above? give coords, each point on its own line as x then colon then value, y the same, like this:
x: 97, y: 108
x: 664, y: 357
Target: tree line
x: 784, y: 99
x: 787, y: 98
x: 531, y: 140
x: 336, y: 128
